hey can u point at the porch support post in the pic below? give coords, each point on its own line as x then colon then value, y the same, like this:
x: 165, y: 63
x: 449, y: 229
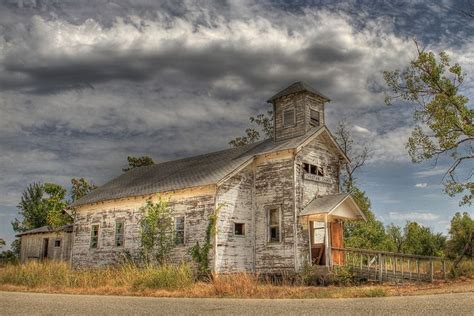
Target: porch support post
x: 309, y: 239
x: 326, y: 242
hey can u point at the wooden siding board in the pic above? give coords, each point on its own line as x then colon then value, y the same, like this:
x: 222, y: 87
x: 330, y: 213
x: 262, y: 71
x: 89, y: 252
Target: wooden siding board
x: 317, y: 152
x: 235, y: 253
x: 195, y: 209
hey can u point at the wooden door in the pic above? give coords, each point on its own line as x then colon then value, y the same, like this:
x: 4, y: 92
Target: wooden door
x: 337, y: 241
x: 45, y: 248
x: 318, y: 255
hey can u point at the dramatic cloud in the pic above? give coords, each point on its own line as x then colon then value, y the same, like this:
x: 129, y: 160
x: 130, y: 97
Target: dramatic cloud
x: 413, y: 216
x: 421, y: 185
x: 85, y: 83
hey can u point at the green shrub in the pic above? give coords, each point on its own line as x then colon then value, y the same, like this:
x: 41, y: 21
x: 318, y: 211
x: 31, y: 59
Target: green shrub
x: 343, y: 275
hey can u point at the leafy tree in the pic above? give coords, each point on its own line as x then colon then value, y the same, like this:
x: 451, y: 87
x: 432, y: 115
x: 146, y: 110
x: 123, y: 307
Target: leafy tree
x: 420, y: 240
x: 156, y: 231
x: 444, y: 120
x: 395, y: 238
x: 40, y: 205
x: 366, y: 235
x: 2, y: 243
x: 80, y: 188
x: 263, y: 123
x: 461, y: 238
x: 55, y: 204
x: 32, y: 209
x: 135, y: 162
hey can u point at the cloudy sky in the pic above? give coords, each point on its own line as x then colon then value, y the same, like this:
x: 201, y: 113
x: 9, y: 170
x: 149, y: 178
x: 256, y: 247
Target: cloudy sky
x: 84, y: 83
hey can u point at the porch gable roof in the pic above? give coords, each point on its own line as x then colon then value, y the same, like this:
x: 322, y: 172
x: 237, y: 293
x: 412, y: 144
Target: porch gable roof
x: 339, y: 205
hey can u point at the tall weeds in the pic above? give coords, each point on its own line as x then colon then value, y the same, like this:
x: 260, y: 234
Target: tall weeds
x: 59, y: 275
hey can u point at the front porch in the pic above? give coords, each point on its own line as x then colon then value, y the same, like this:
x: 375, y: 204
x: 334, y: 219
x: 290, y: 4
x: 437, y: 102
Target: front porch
x: 324, y: 218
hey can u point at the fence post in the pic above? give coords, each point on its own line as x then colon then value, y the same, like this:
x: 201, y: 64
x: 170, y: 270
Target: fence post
x: 444, y: 269
x: 431, y: 271
x: 381, y: 268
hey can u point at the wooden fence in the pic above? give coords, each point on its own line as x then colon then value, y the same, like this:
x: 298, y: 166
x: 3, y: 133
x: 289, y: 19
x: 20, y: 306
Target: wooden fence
x: 389, y: 266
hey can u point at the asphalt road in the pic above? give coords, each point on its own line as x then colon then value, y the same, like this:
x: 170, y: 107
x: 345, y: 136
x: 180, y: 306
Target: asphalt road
x: 12, y: 303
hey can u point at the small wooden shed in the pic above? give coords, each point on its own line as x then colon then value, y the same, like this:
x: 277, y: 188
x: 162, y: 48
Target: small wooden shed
x: 46, y: 243
x: 325, y: 217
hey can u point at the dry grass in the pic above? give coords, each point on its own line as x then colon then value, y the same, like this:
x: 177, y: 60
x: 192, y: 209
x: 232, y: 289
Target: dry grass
x: 178, y: 281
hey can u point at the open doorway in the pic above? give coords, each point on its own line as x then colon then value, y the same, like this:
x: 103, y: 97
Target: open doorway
x: 45, y: 248
x: 318, y: 240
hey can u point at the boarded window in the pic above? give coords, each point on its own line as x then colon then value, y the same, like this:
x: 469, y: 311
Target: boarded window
x: 273, y: 217
x: 289, y: 118
x: 119, y: 233
x: 239, y: 229
x: 94, y: 236
x: 314, y: 115
x: 179, y: 230
x: 57, y: 243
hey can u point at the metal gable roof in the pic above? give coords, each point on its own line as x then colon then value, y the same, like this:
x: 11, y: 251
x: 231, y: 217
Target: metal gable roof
x: 296, y: 87
x: 186, y: 173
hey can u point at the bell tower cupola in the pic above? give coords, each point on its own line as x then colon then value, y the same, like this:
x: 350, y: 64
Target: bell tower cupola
x: 297, y: 109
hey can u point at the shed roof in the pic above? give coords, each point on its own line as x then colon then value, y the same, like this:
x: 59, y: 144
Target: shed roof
x: 298, y: 86
x: 47, y: 229
x: 329, y: 203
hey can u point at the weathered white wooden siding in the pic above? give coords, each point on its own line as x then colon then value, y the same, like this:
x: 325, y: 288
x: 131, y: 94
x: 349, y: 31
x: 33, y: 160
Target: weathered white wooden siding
x: 32, y: 246
x: 196, y: 210
x: 235, y: 253
x: 302, y: 103
x: 274, y: 188
x: 318, y: 152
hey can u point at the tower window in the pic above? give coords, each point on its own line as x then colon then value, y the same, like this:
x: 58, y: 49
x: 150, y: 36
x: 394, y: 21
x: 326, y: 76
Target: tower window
x: 289, y: 118
x: 314, y: 118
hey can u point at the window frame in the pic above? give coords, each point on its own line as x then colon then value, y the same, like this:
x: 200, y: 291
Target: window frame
x: 269, y: 226
x: 293, y: 124
x: 313, y: 122
x: 122, y: 222
x: 316, y: 170
x: 243, y: 229
x: 175, y: 230
x: 56, y: 241
x: 92, y: 237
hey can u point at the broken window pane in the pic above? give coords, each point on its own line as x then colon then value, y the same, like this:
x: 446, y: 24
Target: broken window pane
x: 274, y: 225
x: 239, y: 229
x: 179, y: 230
x: 119, y: 234
x: 94, y: 236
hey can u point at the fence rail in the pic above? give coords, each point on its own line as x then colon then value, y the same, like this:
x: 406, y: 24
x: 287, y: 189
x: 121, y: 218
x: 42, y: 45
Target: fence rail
x: 389, y: 266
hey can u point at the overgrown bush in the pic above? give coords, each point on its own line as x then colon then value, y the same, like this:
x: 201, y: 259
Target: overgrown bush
x: 343, y: 275
x: 465, y: 268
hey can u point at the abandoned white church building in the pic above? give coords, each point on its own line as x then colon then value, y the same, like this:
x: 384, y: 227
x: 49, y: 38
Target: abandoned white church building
x: 281, y: 202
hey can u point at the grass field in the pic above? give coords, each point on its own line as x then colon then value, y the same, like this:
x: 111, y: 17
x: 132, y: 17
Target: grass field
x: 179, y: 281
